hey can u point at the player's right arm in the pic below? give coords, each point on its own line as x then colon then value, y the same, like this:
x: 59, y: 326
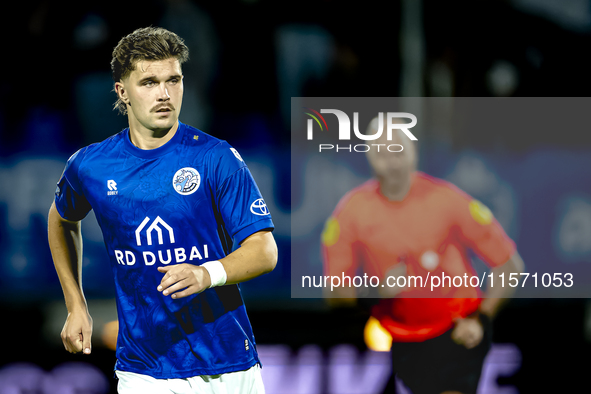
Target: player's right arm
x: 65, y: 242
x: 70, y: 206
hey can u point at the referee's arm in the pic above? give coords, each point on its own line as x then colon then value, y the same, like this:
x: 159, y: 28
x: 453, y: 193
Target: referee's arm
x: 496, y: 296
x: 65, y: 242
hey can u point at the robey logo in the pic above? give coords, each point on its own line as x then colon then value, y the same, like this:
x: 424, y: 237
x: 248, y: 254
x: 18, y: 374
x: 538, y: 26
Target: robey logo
x: 151, y: 232
x: 387, y: 125
x: 112, y: 186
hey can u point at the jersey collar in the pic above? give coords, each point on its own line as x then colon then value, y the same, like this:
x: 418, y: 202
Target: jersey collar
x: 153, y: 153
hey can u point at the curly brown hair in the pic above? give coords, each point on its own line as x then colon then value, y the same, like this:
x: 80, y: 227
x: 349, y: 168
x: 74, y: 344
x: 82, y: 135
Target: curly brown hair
x: 147, y: 43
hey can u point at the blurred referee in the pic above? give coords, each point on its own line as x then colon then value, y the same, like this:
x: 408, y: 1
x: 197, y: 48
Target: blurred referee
x: 406, y: 223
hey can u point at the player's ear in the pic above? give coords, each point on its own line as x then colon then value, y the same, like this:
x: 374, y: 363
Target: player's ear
x: 121, y: 92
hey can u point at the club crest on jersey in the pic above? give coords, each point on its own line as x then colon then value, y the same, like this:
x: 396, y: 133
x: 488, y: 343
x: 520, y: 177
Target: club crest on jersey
x: 186, y: 181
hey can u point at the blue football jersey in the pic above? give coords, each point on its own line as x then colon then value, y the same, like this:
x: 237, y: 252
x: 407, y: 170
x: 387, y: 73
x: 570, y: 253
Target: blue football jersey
x: 190, y: 201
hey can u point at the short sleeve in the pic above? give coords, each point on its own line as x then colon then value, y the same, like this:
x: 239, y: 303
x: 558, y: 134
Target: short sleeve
x: 339, y: 241
x: 70, y: 201
x: 479, y: 230
x: 237, y: 196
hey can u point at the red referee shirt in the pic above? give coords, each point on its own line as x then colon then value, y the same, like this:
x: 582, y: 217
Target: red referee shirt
x: 429, y: 232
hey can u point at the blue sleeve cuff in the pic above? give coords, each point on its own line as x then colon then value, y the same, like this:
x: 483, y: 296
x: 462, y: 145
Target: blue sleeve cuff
x: 59, y: 209
x: 241, y: 235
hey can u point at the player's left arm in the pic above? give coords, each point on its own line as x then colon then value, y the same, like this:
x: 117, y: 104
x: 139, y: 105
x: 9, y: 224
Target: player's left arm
x: 256, y: 256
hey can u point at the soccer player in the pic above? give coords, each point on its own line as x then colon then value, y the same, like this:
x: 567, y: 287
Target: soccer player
x: 183, y: 223
x: 405, y: 223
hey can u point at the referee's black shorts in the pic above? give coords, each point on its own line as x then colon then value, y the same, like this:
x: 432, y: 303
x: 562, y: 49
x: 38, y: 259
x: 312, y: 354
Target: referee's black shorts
x: 439, y: 364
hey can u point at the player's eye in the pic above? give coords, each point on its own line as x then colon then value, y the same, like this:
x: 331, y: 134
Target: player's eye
x: 149, y: 83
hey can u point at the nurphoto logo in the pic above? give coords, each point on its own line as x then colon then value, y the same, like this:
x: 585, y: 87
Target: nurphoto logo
x: 387, y: 122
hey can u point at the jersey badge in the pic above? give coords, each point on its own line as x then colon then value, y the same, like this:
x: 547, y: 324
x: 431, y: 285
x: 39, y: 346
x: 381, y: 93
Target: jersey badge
x: 429, y: 260
x: 258, y: 207
x: 112, y: 186
x: 236, y: 154
x: 480, y: 212
x: 186, y: 181
x: 331, y: 232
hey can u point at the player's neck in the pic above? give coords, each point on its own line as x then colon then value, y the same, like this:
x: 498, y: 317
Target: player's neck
x: 147, y: 139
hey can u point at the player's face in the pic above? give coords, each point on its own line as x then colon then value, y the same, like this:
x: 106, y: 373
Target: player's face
x: 154, y: 91
x: 393, y: 168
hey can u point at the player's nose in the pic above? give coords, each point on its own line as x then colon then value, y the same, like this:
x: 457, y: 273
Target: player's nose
x: 163, y: 93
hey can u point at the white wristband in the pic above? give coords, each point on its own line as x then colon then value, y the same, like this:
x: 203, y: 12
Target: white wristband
x: 217, y: 273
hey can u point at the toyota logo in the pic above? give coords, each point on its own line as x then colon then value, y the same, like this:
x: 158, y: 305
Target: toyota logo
x: 258, y: 207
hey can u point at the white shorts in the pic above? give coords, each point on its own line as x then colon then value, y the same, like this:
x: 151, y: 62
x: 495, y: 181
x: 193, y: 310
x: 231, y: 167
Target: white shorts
x: 241, y: 382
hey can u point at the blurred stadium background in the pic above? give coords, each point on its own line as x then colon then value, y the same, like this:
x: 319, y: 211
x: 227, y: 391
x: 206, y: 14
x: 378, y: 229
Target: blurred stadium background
x: 248, y: 58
